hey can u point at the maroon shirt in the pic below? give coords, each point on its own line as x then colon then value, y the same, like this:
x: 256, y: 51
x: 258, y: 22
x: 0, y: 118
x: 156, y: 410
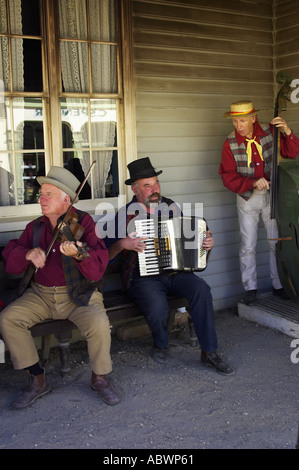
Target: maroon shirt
x: 52, y: 273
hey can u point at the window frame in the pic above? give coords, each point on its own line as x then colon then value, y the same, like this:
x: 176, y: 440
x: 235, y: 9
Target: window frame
x: 52, y: 93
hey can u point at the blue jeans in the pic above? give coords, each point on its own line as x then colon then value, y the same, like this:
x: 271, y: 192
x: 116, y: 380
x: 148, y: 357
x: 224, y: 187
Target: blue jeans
x: 150, y: 293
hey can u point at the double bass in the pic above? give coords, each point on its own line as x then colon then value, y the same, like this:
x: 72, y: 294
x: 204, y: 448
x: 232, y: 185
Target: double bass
x: 285, y: 202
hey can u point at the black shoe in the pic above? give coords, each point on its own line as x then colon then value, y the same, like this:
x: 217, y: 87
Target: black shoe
x: 160, y: 355
x: 211, y: 359
x: 250, y: 297
x: 281, y: 293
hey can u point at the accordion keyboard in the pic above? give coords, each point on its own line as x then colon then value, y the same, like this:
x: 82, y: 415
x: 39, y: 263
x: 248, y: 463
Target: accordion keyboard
x: 148, y: 259
x: 170, y: 247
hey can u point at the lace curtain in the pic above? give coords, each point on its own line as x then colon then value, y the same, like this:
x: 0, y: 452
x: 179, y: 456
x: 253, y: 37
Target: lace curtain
x: 6, y: 164
x: 74, y: 68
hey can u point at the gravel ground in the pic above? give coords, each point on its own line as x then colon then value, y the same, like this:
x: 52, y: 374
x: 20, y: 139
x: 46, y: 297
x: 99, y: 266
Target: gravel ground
x: 176, y: 406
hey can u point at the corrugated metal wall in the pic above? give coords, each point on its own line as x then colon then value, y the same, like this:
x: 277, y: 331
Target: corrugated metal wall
x: 192, y: 59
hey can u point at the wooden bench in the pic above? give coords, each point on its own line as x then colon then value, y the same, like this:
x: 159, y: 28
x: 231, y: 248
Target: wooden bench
x: 118, y: 306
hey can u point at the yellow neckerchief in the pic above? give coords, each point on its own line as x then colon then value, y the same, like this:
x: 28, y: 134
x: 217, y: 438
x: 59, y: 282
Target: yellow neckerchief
x: 248, y: 150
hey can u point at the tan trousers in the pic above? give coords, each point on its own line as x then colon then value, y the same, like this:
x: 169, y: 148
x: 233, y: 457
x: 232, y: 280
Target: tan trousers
x: 40, y: 303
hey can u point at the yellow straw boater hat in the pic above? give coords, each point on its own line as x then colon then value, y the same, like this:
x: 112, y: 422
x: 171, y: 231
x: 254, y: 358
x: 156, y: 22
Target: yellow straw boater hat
x: 241, y: 108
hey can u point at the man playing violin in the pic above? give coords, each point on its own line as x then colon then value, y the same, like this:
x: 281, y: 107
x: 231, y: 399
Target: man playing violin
x: 246, y: 170
x: 65, y: 285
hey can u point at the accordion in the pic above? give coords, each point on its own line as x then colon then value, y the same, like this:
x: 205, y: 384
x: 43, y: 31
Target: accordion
x: 172, y: 244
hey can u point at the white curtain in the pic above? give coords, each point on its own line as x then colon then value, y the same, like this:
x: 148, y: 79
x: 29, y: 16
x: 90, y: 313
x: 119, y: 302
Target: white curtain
x: 74, y: 68
x: 6, y: 164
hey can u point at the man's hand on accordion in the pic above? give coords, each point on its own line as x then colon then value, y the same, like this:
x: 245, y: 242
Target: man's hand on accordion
x: 131, y: 242
x: 134, y: 243
x: 208, y: 241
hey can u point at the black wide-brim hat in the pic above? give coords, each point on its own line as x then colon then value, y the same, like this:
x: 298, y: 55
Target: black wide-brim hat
x: 141, y: 168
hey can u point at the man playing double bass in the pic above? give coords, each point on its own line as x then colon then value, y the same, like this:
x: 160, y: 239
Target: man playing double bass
x: 64, y: 286
x: 246, y: 170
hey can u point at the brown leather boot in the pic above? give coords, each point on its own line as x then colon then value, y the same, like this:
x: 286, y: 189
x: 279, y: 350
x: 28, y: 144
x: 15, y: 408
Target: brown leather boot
x: 38, y: 386
x: 107, y: 392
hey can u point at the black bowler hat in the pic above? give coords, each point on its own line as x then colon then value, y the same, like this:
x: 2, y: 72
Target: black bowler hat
x: 141, y: 168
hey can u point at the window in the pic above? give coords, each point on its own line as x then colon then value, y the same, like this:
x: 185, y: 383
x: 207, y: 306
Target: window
x: 21, y: 78
x: 61, y: 95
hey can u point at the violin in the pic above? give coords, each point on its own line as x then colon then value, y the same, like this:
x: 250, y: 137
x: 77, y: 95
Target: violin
x: 63, y: 226
x: 69, y: 229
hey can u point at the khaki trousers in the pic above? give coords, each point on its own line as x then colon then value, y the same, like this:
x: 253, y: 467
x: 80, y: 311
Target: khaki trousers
x: 40, y: 303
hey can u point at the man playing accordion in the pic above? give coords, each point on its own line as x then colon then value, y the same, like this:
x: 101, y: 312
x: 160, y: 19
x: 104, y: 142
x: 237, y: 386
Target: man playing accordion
x: 150, y: 292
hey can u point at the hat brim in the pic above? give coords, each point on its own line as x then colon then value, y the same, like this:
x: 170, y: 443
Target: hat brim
x: 140, y: 177
x: 46, y: 180
x: 229, y: 115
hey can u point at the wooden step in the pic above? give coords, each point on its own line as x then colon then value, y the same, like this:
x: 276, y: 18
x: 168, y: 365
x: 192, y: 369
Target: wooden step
x: 273, y: 312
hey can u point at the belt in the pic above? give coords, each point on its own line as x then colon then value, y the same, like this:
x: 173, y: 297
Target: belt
x: 50, y: 287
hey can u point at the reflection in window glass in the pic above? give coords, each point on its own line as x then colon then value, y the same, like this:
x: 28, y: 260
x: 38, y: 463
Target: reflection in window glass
x: 103, y: 119
x: 74, y: 115
x: 85, y: 138
x: 28, y: 110
x: 5, y: 126
x: 19, y: 170
x: 105, y: 174
x: 74, y: 164
x: 7, y: 196
x: 6, y: 169
x: 33, y: 165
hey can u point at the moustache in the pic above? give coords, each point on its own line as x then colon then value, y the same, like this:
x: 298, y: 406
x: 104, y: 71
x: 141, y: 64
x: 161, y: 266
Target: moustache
x: 153, y: 197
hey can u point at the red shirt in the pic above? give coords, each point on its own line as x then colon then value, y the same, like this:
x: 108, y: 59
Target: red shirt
x: 289, y: 148
x: 52, y: 273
